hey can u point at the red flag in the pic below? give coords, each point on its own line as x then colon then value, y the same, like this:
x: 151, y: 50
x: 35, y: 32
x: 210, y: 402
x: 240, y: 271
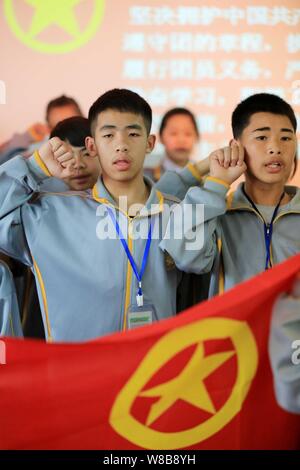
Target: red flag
x: 201, y: 380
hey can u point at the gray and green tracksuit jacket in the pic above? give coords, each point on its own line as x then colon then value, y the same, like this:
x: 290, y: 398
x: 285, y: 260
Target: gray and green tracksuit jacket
x: 85, y: 283
x: 233, y: 235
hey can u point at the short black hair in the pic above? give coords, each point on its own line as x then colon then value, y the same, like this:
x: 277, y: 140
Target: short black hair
x: 123, y: 100
x: 174, y: 112
x: 61, y: 101
x: 259, y: 103
x: 74, y: 129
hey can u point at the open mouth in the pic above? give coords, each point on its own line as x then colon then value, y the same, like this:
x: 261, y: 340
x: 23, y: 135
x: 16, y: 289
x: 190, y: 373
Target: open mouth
x: 122, y: 164
x: 274, y: 167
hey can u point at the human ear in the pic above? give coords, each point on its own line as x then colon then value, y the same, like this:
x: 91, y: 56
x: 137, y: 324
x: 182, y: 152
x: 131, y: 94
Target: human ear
x: 150, y: 143
x: 91, y: 146
x: 234, y: 141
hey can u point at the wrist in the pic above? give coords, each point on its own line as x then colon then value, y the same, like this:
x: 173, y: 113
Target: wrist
x: 223, y: 179
x: 194, y: 170
x: 219, y: 181
x: 203, y: 166
x: 40, y: 162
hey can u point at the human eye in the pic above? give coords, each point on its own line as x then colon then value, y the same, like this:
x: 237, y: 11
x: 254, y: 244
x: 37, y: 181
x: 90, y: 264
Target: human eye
x: 261, y: 137
x: 286, y: 138
x: 134, y: 134
x: 107, y: 135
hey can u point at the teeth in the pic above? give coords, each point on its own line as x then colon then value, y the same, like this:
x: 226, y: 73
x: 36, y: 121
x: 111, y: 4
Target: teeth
x: 274, y: 165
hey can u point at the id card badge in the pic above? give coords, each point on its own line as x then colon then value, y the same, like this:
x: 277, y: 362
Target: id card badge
x: 140, y: 316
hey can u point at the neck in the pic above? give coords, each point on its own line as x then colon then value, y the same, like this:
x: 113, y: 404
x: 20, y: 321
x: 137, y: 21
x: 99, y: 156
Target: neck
x: 136, y: 191
x: 180, y: 163
x: 266, y: 194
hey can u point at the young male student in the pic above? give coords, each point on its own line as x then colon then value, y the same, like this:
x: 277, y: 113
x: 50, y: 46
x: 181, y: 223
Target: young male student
x: 85, y: 172
x: 258, y: 225
x: 192, y: 289
x: 78, y: 244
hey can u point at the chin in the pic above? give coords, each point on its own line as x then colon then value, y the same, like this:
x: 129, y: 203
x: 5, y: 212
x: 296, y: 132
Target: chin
x: 273, y: 180
x: 126, y: 175
x: 180, y: 160
x: 82, y: 187
x: 123, y: 177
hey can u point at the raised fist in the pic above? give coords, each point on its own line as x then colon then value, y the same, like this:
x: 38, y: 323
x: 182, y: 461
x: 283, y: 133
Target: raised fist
x: 228, y: 163
x: 58, y: 157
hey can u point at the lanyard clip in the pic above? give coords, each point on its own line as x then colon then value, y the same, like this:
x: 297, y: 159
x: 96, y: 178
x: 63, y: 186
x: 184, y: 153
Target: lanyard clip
x: 140, y: 300
x: 140, y: 297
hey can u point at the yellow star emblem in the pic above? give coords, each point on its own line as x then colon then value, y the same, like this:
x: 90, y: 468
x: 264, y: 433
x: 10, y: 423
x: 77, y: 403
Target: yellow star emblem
x: 188, y: 386
x: 61, y: 13
x: 57, y: 12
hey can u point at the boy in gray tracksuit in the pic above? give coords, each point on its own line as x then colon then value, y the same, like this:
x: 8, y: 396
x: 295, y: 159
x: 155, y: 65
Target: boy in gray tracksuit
x: 74, y: 241
x: 257, y: 225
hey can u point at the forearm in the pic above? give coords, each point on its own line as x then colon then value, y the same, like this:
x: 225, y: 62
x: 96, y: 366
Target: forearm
x: 19, y: 179
x: 190, y: 238
x: 178, y: 183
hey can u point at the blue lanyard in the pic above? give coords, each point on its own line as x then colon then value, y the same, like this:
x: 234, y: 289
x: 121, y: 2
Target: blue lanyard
x: 138, y: 275
x: 268, y: 228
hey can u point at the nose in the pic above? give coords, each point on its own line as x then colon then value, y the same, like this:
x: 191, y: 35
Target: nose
x: 181, y: 141
x: 273, y: 151
x: 274, y: 148
x: 122, y: 145
x: 78, y: 162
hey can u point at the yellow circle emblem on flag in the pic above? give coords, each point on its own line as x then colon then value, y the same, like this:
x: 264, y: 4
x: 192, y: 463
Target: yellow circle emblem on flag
x: 60, y: 13
x: 188, y: 385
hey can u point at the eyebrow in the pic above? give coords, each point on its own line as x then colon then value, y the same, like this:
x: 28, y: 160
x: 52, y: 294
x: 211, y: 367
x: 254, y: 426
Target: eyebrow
x: 284, y: 129
x: 130, y: 126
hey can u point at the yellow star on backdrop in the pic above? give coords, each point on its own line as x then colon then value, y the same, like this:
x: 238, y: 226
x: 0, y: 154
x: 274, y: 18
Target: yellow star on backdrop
x: 188, y: 386
x: 59, y: 12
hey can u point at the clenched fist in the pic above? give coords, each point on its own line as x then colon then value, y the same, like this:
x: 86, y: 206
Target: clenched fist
x: 228, y: 163
x: 58, y: 157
